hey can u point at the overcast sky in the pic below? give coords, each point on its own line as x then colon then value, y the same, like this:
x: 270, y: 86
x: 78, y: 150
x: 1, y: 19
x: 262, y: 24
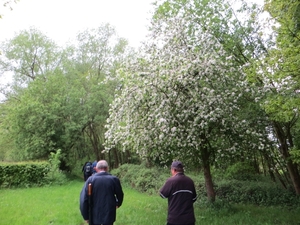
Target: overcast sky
x: 61, y: 20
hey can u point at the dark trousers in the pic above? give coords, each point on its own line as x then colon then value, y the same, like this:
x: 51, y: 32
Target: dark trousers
x: 181, y: 224
x: 104, y: 224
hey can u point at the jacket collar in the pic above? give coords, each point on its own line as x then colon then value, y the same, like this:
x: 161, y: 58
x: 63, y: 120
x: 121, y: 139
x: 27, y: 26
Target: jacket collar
x: 101, y: 173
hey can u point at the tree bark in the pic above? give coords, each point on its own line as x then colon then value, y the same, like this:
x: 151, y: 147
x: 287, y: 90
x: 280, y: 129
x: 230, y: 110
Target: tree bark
x: 211, y: 195
x: 284, y: 149
x: 116, y: 158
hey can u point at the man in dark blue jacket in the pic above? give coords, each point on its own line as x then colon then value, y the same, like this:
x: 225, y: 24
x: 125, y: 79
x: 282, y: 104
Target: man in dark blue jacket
x: 181, y: 194
x: 107, y: 195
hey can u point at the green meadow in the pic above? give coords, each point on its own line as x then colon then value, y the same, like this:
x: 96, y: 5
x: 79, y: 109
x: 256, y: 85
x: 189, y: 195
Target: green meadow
x: 59, y: 205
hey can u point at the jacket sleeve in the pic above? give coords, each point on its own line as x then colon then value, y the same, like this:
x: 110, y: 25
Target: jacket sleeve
x: 194, y: 193
x: 165, y: 191
x: 84, y: 204
x: 118, y: 192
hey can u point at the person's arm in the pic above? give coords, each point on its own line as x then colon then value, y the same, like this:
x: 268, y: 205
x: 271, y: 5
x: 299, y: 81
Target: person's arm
x: 118, y: 192
x: 165, y: 191
x: 84, y: 204
x: 194, y: 193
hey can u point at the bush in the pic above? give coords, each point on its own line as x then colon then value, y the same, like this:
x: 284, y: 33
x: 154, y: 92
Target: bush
x: 25, y: 174
x: 30, y: 174
x: 141, y: 178
x: 258, y: 193
x: 241, y: 171
x: 151, y: 179
x: 55, y: 175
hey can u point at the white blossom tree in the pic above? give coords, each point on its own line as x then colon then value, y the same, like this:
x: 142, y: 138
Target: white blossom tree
x: 182, y: 100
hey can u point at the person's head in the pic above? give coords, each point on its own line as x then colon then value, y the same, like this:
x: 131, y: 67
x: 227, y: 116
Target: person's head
x: 177, y: 167
x: 102, y: 165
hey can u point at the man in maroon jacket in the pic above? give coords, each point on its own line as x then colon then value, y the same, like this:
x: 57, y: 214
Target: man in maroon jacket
x: 181, y: 194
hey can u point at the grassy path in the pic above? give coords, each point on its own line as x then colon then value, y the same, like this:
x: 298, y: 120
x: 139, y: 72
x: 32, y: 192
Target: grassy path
x: 59, y: 205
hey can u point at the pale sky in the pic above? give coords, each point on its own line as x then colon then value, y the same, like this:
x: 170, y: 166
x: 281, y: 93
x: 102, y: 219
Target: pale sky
x: 61, y: 20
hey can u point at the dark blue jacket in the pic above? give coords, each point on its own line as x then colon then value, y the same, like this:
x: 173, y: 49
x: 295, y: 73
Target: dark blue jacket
x: 107, y: 194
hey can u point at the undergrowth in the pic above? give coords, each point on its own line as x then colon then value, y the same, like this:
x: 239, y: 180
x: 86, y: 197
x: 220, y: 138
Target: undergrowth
x: 228, y: 191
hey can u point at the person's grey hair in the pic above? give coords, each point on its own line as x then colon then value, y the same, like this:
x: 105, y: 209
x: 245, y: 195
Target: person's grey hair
x: 102, y: 164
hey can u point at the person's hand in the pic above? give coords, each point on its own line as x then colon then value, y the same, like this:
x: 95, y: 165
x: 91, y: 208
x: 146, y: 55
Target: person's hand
x: 87, y: 221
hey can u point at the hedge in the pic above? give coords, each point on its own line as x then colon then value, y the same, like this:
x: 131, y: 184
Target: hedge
x: 24, y: 174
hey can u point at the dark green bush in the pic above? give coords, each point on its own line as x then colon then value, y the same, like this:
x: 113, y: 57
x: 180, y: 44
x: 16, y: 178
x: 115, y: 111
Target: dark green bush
x: 141, y: 178
x: 241, y: 171
x: 259, y: 193
x: 267, y: 193
x: 23, y: 174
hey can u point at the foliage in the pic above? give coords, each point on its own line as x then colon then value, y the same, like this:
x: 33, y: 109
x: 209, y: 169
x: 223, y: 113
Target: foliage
x: 281, y: 76
x: 31, y: 174
x: 256, y: 192
x: 141, y: 178
x: 55, y: 175
x: 240, y: 171
x: 260, y: 192
x: 27, y: 56
x: 23, y: 174
x: 282, y: 63
x: 58, y: 99
x: 187, y: 95
x: 6, y: 141
x: 295, y: 155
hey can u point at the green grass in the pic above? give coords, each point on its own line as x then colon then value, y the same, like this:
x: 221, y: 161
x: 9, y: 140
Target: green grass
x: 59, y: 205
x: 141, y: 209
x: 37, y: 206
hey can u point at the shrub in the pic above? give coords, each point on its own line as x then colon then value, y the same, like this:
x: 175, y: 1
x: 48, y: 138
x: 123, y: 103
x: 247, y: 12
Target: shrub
x: 258, y: 193
x: 151, y: 179
x: 141, y: 178
x: 30, y: 174
x: 241, y: 171
x: 55, y: 175
x: 25, y: 174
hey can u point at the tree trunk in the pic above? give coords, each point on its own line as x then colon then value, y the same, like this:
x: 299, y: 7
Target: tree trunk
x: 127, y: 157
x: 211, y: 195
x: 284, y: 149
x: 116, y: 158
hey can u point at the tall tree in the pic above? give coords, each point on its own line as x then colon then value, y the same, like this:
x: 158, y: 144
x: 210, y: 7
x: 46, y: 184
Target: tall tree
x: 248, y: 42
x: 282, y: 69
x: 183, y: 99
x: 30, y: 54
x: 97, y: 55
x: 63, y: 106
